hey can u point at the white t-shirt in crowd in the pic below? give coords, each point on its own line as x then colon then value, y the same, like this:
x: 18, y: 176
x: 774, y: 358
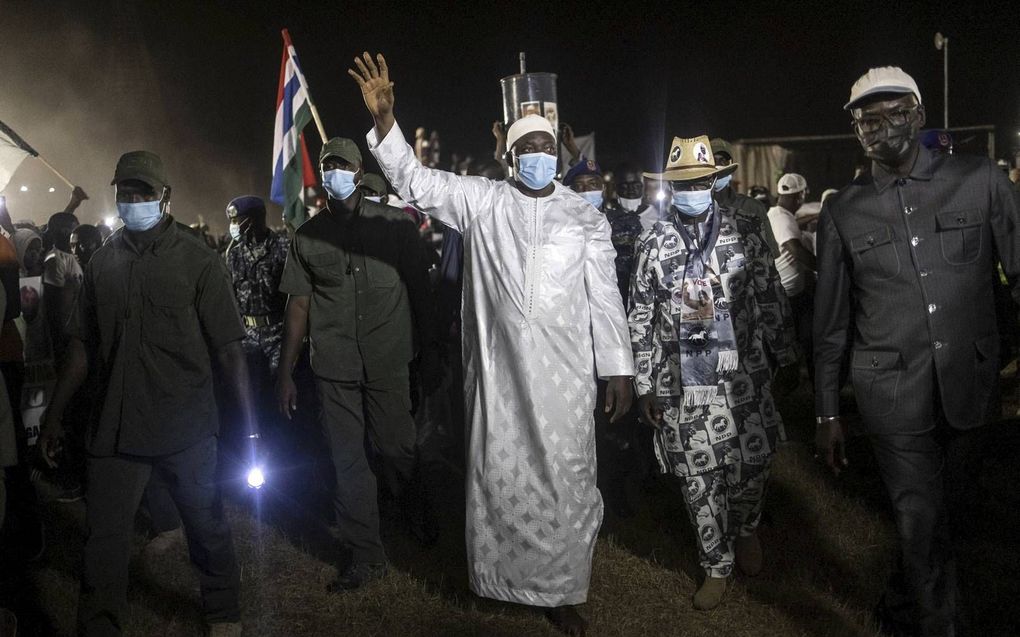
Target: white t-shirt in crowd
x: 784, y: 225
x: 61, y: 268
x: 785, y: 228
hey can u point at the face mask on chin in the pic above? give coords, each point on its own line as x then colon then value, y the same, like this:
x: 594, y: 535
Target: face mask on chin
x: 594, y: 197
x: 630, y: 205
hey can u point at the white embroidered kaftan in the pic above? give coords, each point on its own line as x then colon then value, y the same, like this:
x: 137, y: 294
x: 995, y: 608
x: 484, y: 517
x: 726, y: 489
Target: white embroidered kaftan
x: 541, y: 312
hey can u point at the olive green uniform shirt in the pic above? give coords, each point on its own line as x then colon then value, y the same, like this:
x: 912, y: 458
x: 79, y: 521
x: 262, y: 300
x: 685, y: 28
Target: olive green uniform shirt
x: 153, y: 313
x: 367, y: 277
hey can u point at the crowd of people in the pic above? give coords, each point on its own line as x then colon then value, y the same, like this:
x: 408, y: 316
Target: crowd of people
x: 653, y: 315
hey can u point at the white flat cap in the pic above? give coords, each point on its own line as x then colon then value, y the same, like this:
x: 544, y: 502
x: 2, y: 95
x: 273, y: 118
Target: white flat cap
x: 883, y: 79
x: 528, y: 124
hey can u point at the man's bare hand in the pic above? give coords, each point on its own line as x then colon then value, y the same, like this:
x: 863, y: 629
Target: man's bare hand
x: 650, y: 409
x: 619, y: 397
x: 830, y: 445
x: 373, y: 76
x: 50, y: 444
x: 567, y: 137
x: 286, y: 394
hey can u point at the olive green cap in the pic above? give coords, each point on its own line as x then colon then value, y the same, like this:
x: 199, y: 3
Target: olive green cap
x: 143, y: 166
x: 343, y: 148
x: 720, y: 145
x: 374, y: 183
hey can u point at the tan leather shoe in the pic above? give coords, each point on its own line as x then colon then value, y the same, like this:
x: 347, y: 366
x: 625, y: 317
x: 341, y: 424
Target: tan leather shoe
x: 748, y: 553
x: 710, y: 594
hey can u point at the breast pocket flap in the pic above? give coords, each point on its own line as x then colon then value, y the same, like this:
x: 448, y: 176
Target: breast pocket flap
x: 871, y: 239
x: 957, y: 219
x: 877, y: 360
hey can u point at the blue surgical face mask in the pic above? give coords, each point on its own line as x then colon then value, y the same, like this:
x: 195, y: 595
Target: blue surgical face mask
x: 536, y: 170
x: 722, y: 182
x: 338, y: 183
x: 139, y: 217
x: 235, y: 231
x: 692, y: 202
x: 594, y: 197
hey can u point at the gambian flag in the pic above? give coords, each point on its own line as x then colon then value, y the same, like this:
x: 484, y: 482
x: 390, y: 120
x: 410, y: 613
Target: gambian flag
x: 292, y: 168
x: 13, y: 150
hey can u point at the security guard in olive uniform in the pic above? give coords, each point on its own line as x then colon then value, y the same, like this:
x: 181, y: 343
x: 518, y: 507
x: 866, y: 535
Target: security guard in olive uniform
x: 727, y: 196
x: 357, y: 278
x: 155, y: 308
x: 373, y: 187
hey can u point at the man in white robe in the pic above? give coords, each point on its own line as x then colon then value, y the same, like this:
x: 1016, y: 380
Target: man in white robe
x: 542, y: 314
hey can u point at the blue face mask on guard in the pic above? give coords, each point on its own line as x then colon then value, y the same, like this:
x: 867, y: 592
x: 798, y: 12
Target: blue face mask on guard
x: 536, y: 170
x: 722, y: 182
x: 139, y: 217
x: 338, y: 183
x: 594, y: 197
x: 692, y: 202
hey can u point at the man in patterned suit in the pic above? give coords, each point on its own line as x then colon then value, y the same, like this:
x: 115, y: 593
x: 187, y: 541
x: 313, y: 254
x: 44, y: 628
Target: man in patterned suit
x: 709, y: 322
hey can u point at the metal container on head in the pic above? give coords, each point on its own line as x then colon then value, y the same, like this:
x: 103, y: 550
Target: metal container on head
x: 530, y: 93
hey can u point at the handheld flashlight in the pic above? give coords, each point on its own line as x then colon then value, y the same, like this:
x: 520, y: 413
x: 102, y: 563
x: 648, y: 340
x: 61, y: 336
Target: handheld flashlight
x: 256, y: 478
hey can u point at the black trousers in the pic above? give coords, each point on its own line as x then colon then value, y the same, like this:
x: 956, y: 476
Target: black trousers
x: 356, y: 415
x: 115, y: 486
x: 802, y: 307
x: 160, y: 505
x: 928, y: 475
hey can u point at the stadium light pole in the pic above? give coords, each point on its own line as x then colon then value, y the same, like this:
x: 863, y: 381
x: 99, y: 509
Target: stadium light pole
x: 942, y: 44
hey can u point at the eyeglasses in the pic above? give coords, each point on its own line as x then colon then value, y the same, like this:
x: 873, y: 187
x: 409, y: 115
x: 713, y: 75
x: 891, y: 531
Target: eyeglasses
x: 874, y: 123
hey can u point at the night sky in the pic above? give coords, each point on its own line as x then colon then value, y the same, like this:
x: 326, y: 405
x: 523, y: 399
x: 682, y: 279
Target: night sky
x: 84, y: 82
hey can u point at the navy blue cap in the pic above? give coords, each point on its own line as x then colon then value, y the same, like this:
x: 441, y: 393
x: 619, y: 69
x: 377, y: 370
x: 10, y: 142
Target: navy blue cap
x: 934, y: 139
x: 246, y: 205
x: 583, y: 167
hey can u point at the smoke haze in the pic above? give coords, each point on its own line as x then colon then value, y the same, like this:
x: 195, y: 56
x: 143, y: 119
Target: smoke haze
x: 83, y: 90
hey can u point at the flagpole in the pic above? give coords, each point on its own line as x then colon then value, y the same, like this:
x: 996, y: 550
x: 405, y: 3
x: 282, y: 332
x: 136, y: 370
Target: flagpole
x: 23, y: 145
x: 318, y: 121
x: 55, y: 172
x: 311, y: 104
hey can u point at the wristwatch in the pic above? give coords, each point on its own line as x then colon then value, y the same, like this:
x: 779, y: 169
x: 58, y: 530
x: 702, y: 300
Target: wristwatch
x: 821, y: 420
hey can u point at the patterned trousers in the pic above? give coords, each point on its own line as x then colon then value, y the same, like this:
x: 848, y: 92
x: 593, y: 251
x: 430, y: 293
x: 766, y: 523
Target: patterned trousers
x: 724, y: 504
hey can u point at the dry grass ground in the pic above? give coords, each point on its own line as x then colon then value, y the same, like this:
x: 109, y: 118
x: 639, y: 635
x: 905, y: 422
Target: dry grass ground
x: 828, y: 543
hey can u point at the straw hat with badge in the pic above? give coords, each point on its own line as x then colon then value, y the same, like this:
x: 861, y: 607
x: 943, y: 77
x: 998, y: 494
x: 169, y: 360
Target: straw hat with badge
x: 691, y: 160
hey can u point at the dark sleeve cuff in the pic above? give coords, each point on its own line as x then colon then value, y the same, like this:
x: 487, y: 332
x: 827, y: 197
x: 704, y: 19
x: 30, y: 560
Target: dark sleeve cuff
x: 826, y: 403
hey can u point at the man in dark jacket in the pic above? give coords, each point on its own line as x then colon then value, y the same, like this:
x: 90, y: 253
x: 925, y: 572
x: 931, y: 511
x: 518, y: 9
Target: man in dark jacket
x: 908, y: 251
